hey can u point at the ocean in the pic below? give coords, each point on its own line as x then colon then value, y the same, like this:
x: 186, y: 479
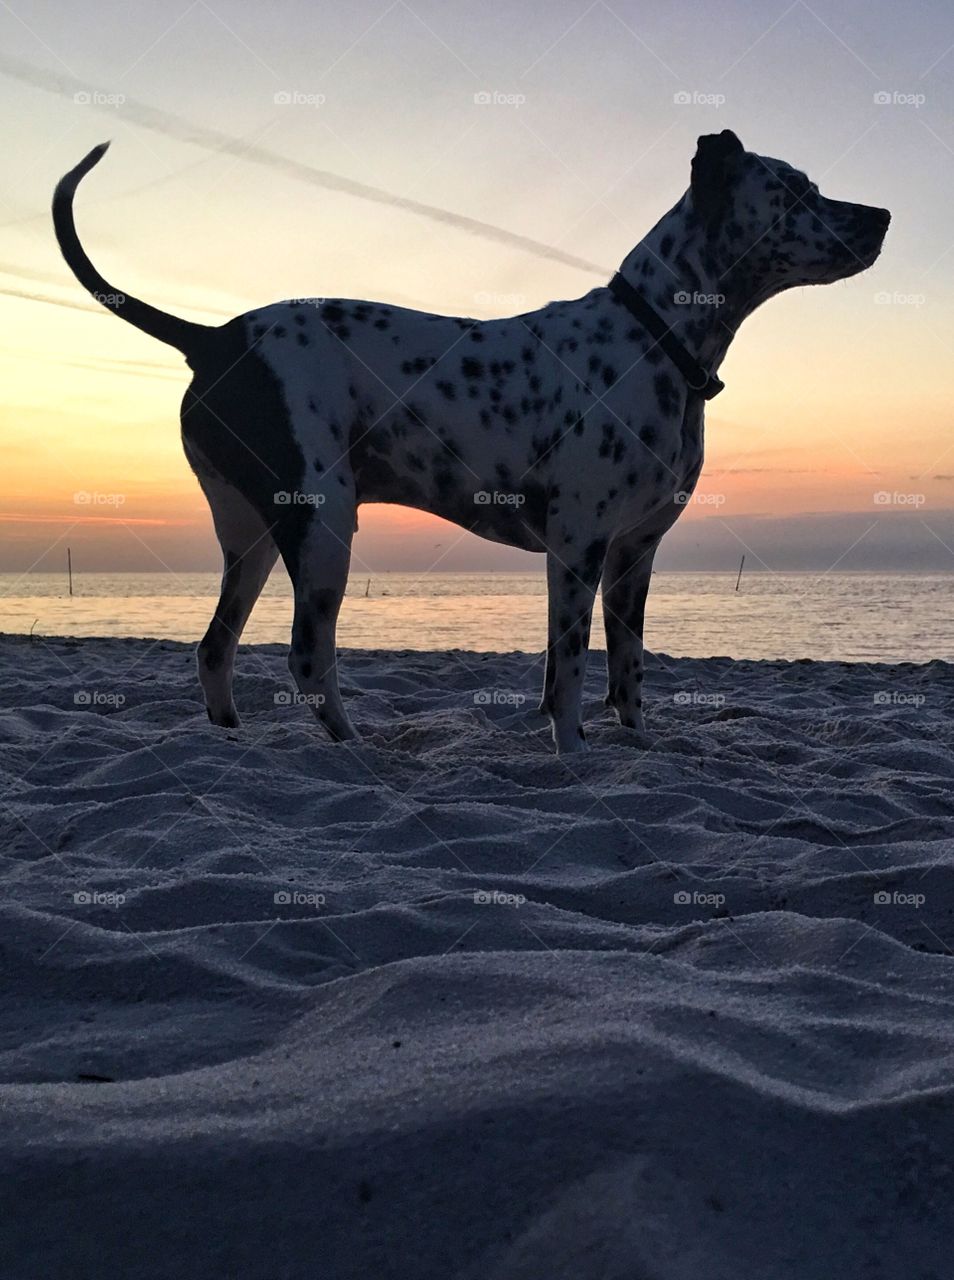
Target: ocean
x: 852, y: 617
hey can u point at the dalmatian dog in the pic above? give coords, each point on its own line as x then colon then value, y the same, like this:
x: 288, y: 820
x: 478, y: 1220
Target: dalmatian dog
x: 575, y: 430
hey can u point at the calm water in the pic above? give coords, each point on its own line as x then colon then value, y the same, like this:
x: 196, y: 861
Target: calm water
x: 852, y: 617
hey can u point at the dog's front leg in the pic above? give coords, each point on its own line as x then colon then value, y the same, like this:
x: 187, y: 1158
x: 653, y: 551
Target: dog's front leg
x: 626, y: 578
x: 571, y: 588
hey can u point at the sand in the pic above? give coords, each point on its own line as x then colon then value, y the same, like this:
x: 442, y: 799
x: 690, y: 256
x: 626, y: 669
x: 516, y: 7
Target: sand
x: 444, y: 1005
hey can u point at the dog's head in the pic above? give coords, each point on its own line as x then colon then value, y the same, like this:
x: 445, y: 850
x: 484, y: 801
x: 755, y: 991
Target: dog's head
x: 767, y: 227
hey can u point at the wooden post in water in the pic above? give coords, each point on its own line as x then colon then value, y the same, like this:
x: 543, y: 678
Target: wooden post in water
x: 739, y: 578
x: 367, y: 590
x: 69, y: 568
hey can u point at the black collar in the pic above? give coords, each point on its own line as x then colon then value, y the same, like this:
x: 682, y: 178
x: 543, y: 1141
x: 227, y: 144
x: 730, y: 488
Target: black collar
x: 699, y: 380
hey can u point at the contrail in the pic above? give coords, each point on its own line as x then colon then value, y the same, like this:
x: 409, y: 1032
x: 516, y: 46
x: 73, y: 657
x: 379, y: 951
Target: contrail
x: 173, y: 126
x: 48, y: 277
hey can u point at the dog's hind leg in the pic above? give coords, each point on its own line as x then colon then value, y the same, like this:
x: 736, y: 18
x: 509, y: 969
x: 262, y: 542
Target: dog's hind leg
x: 318, y: 561
x: 626, y: 578
x: 571, y: 588
x: 249, y: 554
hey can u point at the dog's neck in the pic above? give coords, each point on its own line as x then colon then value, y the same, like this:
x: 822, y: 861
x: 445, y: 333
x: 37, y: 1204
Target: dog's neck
x: 674, y: 269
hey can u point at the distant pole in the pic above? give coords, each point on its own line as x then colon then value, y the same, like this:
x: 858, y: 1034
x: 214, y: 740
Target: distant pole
x: 739, y: 578
x: 367, y: 590
x: 69, y: 567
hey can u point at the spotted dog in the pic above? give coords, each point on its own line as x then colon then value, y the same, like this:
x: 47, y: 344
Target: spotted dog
x: 575, y: 430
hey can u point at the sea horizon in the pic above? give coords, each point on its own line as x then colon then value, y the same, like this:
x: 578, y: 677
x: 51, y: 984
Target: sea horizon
x: 850, y: 616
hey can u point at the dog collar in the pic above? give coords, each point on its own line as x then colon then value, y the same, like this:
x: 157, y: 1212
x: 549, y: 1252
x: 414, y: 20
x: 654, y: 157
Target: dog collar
x: 698, y: 380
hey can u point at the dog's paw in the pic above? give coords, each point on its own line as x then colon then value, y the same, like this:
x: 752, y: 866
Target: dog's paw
x: 572, y: 746
x: 224, y: 719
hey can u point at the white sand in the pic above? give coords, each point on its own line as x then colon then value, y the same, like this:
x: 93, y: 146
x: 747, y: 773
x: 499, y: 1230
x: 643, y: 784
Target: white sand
x: 590, y: 1080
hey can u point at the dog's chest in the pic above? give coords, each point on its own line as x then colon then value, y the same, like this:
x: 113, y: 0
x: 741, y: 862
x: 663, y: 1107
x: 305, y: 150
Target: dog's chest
x: 667, y: 472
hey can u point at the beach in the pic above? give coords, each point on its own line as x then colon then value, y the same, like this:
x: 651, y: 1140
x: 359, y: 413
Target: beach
x: 440, y: 1004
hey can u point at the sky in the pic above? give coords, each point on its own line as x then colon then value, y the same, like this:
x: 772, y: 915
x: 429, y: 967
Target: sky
x: 243, y: 135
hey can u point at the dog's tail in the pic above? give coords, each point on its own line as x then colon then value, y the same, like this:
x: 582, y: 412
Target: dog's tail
x: 185, y: 335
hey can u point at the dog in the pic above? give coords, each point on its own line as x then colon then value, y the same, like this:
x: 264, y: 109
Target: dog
x: 575, y: 430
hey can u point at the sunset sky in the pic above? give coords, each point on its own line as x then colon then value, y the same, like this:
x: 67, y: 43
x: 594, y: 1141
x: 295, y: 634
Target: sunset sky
x: 832, y: 395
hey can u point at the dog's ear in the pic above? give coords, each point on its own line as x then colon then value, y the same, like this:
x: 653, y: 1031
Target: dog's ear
x: 710, y: 172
